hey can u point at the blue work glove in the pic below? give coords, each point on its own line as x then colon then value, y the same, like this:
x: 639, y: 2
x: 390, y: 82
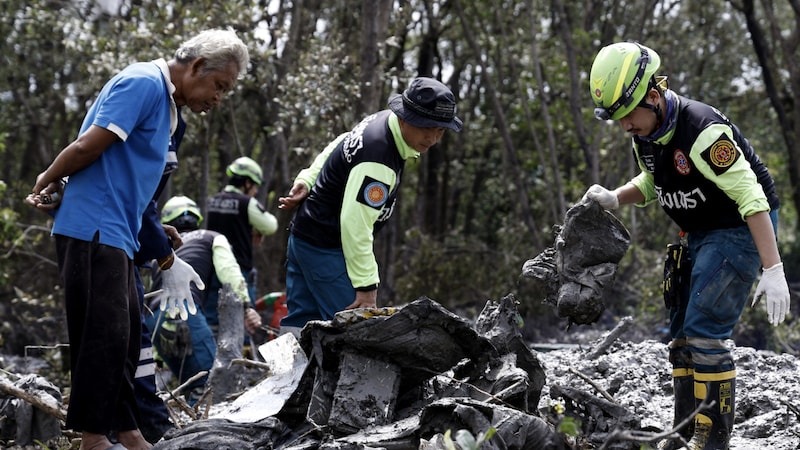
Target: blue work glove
x: 607, y: 199
x: 773, y: 286
x: 175, y: 283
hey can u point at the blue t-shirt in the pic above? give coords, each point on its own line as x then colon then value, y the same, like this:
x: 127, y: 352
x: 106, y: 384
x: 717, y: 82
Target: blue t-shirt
x: 111, y: 194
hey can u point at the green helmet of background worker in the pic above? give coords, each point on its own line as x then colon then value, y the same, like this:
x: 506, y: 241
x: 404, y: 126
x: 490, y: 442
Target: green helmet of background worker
x: 621, y: 75
x: 246, y: 167
x: 182, y: 213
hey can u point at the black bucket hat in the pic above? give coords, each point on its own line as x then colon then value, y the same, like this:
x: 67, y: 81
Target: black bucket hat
x: 427, y: 103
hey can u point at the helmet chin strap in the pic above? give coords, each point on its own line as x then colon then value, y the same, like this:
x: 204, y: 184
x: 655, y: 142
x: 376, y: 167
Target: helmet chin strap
x: 656, y: 109
x: 665, y: 120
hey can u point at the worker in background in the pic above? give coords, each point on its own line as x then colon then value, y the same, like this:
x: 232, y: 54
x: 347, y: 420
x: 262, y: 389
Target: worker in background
x: 189, y: 346
x: 236, y: 213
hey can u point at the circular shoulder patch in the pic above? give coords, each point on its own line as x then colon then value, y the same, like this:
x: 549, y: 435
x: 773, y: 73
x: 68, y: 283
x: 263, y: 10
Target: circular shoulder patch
x: 681, y: 162
x: 722, y: 154
x: 375, y: 194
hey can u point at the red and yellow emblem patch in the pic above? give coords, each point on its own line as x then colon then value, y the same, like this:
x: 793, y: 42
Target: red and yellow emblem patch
x: 722, y: 154
x: 373, y: 193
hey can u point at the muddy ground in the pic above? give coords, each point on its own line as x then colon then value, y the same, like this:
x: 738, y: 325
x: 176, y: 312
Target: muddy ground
x: 637, y: 375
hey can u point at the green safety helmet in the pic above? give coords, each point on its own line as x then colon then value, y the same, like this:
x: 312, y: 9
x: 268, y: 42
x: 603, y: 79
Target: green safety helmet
x: 620, y: 78
x: 183, y: 208
x: 246, y: 167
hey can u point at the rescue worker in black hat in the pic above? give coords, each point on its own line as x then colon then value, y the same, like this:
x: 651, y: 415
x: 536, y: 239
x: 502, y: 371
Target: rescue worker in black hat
x: 348, y: 194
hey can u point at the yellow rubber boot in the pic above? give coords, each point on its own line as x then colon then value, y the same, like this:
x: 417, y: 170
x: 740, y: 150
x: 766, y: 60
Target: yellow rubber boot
x: 713, y: 425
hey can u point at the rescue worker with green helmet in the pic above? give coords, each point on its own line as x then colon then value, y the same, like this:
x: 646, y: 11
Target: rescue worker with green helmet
x: 708, y: 179
x: 236, y: 213
x: 188, y: 346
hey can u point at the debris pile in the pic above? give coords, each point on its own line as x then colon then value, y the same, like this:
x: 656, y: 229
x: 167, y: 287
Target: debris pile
x: 401, y: 378
x: 396, y: 378
x: 20, y: 420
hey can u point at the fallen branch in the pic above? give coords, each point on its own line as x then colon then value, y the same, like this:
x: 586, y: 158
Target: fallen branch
x: 46, y: 403
x: 612, y: 336
x: 183, y: 406
x: 204, y: 400
x: 594, y: 385
x: 173, y: 415
x: 646, y: 436
x: 191, y: 380
x: 252, y: 364
x: 181, y: 403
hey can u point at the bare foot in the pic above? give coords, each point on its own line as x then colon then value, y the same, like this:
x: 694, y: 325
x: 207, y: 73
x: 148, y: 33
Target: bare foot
x: 92, y: 441
x: 133, y: 440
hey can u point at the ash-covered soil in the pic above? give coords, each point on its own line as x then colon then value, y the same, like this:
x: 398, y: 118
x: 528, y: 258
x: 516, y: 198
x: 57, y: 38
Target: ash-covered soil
x: 638, y: 377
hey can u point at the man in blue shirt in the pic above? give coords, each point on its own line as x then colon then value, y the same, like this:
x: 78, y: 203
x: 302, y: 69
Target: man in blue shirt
x: 114, y: 167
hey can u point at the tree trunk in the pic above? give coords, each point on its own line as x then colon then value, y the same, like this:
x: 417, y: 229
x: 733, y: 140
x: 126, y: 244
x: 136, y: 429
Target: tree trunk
x: 512, y: 163
x: 374, y: 23
x: 783, y: 97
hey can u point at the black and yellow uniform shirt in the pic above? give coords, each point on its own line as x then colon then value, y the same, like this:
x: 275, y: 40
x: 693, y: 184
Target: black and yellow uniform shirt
x: 227, y: 214
x: 703, y: 172
x: 354, y: 193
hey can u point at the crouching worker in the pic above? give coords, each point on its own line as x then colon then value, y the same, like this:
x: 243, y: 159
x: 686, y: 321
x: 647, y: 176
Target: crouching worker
x: 188, y: 344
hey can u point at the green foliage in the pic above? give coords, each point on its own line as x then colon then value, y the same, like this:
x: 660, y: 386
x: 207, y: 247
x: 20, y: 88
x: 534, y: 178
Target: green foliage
x: 570, y: 426
x: 754, y: 330
x: 9, y: 234
x: 461, y: 274
x: 474, y: 208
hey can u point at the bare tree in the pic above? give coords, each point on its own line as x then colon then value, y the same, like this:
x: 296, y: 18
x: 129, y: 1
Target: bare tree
x: 375, y: 23
x: 512, y: 164
x: 777, y: 53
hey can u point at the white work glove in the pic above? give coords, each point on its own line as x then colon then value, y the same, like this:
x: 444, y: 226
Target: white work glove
x: 773, y: 286
x: 175, y: 283
x: 607, y: 199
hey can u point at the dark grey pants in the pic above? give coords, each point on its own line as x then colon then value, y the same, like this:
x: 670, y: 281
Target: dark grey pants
x: 104, y: 330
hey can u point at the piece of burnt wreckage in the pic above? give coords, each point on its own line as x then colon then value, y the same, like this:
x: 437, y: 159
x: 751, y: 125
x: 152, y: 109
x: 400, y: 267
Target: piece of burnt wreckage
x: 391, y: 378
